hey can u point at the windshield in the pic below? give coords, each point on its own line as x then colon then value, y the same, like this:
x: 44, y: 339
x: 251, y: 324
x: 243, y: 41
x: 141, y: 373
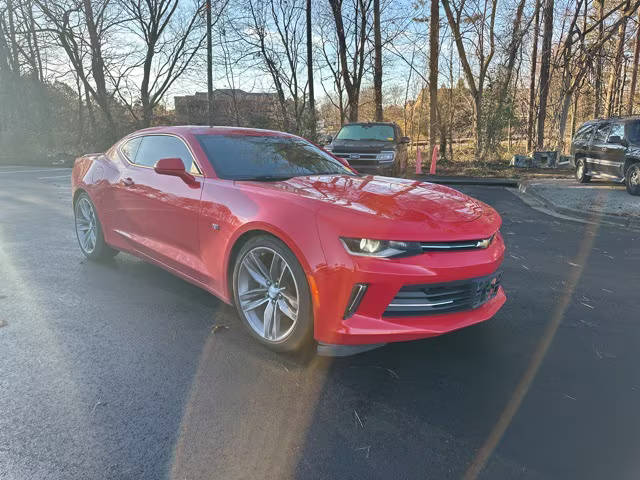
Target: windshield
x: 267, y: 157
x: 383, y: 133
x: 632, y: 131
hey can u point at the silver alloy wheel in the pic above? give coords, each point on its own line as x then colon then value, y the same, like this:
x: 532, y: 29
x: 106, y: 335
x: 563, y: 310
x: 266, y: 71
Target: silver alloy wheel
x: 86, y: 225
x: 268, y: 293
x: 634, y: 176
x: 580, y: 171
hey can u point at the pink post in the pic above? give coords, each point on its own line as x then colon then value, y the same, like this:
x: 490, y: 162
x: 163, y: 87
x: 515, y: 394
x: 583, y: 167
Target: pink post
x: 434, y: 160
x: 418, y: 162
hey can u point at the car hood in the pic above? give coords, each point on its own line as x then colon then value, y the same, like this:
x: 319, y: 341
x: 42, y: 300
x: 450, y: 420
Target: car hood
x: 361, y: 146
x: 385, y: 204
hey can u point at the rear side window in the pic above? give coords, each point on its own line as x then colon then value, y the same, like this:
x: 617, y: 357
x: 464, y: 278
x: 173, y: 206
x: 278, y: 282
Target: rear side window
x: 130, y: 148
x: 157, y: 147
x: 584, y: 132
x: 601, y: 133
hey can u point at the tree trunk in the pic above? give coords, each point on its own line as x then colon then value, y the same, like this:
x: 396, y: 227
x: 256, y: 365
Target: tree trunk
x: 312, y: 100
x: 615, y: 71
x: 377, y: 67
x: 532, y: 79
x: 97, y: 71
x: 13, y: 43
x: 574, y: 115
x: 545, y: 64
x: 634, y: 72
x: 209, y: 66
x: 434, y: 46
x: 349, y: 86
x: 598, y: 80
x: 477, y: 128
x: 564, y: 115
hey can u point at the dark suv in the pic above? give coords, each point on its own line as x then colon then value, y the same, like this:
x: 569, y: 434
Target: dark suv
x: 376, y: 148
x: 608, y: 148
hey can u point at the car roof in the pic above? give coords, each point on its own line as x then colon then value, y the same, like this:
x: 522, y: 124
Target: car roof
x: 391, y: 124
x: 626, y: 118
x: 206, y: 130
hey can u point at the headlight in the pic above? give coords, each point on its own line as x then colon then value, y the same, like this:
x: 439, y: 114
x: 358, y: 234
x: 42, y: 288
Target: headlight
x: 367, y: 247
x: 385, y: 156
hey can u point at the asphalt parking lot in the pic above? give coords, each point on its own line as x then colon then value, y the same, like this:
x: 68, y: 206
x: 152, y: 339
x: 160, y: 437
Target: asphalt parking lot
x: 122, y: 371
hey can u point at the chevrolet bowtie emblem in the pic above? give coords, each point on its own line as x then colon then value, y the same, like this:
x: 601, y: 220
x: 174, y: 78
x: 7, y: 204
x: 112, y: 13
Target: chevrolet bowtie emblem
x: 483, y: 243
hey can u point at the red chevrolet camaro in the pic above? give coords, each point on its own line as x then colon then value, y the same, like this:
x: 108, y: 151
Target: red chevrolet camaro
x: 298, y: 241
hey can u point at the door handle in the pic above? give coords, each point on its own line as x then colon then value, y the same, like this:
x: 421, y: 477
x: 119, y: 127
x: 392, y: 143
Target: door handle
x: 127, y: 182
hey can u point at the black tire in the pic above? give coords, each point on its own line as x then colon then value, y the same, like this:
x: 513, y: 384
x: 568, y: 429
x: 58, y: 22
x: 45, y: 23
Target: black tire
x: 632, y: 179
x: 100, y: 250
x: 581, y: 171
x: 301, y: 333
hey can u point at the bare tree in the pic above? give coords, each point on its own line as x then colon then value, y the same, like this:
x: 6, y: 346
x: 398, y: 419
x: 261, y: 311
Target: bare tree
x: 434, y: 47
x: 277, y: 32
x: 352, y: 61
x: 169, y: 39
x: 377, y: 65
x: 312, y: 100
x: 82, y: 29
x: 634, y: 72
x: 484, y: 26
x: 545, y: 64
x: 617, y: 61
x: 532, y: 78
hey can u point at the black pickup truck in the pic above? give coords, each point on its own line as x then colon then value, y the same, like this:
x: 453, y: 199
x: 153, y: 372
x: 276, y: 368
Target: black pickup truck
x: 608, y: 148
x: 377, y: 148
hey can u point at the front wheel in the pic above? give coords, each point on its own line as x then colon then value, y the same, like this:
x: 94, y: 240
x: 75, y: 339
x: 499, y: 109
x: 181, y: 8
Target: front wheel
x: 271, y: 294
x: 89, y: 230
x: 581, y: 171
x: 632, y: 179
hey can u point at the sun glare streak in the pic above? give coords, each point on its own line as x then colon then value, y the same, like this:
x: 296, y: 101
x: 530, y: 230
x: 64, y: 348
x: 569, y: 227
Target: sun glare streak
x: 271, y: 446
x: 482, y: 456
x: 48, y: 356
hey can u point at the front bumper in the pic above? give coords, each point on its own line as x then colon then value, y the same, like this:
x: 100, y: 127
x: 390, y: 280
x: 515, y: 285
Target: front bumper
x: 372, y: 323
x: 378, y: 169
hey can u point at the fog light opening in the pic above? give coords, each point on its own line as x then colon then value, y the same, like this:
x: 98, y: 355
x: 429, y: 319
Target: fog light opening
x: 355, y: 298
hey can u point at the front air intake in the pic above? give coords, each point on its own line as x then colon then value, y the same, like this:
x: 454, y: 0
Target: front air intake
x: 355, y: 298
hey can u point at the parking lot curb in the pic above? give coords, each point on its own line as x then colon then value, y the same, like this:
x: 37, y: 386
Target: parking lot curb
x: 525, y: 191
x: 495, y: 182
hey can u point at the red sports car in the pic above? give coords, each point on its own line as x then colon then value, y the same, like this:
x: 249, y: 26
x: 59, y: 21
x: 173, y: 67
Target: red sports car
x: 303, y: 245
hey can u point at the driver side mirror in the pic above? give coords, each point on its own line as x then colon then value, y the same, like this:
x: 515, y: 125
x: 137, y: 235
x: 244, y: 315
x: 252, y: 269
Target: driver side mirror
x: 175, y: 167
x: 617, y: 140
x: 405, y: 140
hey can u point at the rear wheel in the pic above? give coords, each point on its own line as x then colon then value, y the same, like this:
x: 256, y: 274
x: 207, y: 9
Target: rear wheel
x: 632, y: 179
x: 272, y: 295
x: 581, y: 171
x: 89, y: 230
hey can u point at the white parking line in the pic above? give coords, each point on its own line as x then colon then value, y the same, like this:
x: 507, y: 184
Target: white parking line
x: 32, y: 171
x: 56, y: 176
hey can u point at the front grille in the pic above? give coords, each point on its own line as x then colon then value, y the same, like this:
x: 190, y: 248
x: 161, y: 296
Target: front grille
x: 463, y: 245
x: 362, y: 159
x: 431, y: 299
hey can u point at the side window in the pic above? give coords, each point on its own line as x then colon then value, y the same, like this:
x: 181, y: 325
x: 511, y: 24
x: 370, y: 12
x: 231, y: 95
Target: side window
x: 130, y: 148
x: 584, y: 133
x: 157, y: 147
x: 601, y: 133
x: 617, y: 130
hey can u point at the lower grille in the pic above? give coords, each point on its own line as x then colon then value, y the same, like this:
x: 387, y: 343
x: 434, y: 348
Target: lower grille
x: 431, y: 299
x: 361, y: 159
